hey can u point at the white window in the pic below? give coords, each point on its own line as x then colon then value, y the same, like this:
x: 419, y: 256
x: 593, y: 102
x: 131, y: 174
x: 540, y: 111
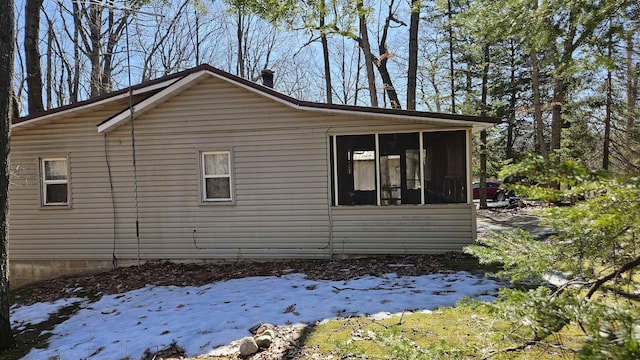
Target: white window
x: 216, y: 176
x: 55, y: 181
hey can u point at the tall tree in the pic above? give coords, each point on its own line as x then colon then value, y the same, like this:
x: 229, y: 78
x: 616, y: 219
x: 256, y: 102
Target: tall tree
x: 537, y: 103
x: 566, y: 27
x: 49, y: 70
x: 451, y: 57
x: 240, y: 36
x: 98, y: 29
x: 273, y: 11
x: 385, y: 55
x: 608, y: 104
x: 483, y: 134
x: 321, y: 16
x: 365, y: 45
x: 32, y: 56
x: 632, y: 75
x: 325, y: 52
x: 7, y: 42
x: 412, y: 70
x: 153, y: 50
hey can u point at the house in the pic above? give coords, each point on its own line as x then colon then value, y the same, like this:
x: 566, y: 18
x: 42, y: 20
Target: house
x: 206, y: 166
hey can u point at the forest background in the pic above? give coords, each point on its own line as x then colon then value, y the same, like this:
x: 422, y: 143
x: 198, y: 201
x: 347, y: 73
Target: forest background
x: 560, y: 74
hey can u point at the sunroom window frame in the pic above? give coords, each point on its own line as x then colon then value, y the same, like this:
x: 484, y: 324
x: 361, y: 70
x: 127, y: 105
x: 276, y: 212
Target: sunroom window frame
x: 423, y: 201
x: 203, y: 178
x: 44, y: 182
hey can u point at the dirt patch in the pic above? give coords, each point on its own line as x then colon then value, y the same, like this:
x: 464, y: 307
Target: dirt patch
x: 507, y: 218
x: 167, y: 273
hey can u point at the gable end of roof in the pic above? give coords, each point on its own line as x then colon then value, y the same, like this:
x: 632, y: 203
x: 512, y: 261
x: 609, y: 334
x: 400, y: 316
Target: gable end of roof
x: 163, y: 88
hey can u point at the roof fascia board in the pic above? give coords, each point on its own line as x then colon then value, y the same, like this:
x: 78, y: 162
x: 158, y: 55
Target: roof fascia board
x: 151, y: 102
x: 92, y: 104
x: 448, y: 122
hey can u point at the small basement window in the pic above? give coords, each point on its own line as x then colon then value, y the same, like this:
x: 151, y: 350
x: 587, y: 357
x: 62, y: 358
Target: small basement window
x: 55, y: 181
x: 216, y: 176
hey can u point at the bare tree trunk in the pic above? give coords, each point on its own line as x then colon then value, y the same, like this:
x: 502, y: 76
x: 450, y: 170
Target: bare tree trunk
x: 537, y: 104
x: 513, y: 96
x: 384, y: 58
x: 412, y: 71
x: 357, y: 81
x: 7, y: 49
x: 75, y: 82
x: 366, y: 51
x: 197, y: 34
x: 556, y: 115
x: 95, y: 20
x: 633, y: 72
x: 483, y: 133
x: 451, y: 64
x: 115, y: 29
x: 607, y: 119
x: 325, y: 54
x: 560, y: 85
x: 240, y: 36
x: 32, y: 56
x: 49, y: 73
x: 54, y: 92
x: 161, y: 39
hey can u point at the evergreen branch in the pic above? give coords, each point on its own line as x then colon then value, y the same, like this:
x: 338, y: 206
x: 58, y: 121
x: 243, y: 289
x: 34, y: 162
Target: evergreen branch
x: 566, y: 285
x: 612, y: 275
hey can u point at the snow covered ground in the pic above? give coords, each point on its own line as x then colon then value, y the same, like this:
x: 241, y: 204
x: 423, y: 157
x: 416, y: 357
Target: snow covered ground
x: 204, y: 320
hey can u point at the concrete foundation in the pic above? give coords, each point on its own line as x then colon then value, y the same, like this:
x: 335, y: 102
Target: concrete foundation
x: 23, y: 272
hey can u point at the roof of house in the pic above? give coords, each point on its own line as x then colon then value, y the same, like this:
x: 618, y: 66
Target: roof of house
x: 151, y: 93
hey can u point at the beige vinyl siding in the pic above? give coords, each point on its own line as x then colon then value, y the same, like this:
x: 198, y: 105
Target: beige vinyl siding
x: 402, y: 229
x: 280, y: 180
x: 83, y: 231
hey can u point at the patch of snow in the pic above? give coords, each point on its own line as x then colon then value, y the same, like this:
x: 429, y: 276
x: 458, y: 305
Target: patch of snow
x: 39, y: 312
x: 380, y: 316
x: 556, y: 279
x: 207, y: 319
x: 493, y: 204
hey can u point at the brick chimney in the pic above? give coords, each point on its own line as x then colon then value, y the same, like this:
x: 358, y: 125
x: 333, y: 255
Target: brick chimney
x: 267, y: 77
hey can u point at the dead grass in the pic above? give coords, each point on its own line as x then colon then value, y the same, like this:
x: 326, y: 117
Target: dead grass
x: 448, y: 333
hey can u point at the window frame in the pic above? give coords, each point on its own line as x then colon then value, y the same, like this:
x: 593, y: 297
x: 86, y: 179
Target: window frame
x: 44, y: 182
x: 422, y: 159
x: 203, y: 178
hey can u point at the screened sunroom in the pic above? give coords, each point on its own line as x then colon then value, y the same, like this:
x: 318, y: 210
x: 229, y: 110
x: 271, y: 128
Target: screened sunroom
x: 405, y: 168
